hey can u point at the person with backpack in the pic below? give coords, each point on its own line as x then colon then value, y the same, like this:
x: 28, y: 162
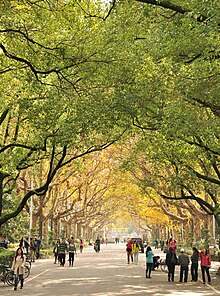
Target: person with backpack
x: 149, y: 262
x: 62, y: 252
x: 72, y: 252
x: 171, y: 262
x: 194, y: 265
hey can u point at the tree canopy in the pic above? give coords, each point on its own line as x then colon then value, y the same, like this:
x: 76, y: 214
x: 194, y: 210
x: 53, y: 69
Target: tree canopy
x: 77, y: 76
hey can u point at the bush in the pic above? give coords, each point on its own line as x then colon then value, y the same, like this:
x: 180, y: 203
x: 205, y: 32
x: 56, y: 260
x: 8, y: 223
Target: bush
x: 46, y: 253
x: 6, y: 256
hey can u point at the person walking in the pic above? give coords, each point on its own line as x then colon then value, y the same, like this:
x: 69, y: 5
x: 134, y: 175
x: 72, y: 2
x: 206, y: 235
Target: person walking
x: 205, y: 265
x: 194, y: 265
x: 135, y: 251
x: 183, y: 261
x: 72, y: 252
x: 38, y: 244
x: 81, y: 245
x: 129, y: 250
x: 18, y: 267
x: 56, y: 251
x: 149, y: 262
x: 62, y: 252
x: 32, y: 250
x: 171, y: 261
x: 97, y: 245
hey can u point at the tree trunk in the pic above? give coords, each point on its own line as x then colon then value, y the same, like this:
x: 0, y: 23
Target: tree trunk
x: 45, y: 228
x: 2, y: 177
x: 56, y: 232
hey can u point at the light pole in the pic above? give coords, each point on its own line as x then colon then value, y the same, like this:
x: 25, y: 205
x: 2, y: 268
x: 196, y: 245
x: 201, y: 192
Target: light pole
x: 31, y: 213
x: 31, y: 219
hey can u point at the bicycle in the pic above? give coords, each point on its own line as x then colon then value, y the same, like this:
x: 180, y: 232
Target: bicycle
x: 5, y: 273
x: 27, y: 261
x: 10, y: 277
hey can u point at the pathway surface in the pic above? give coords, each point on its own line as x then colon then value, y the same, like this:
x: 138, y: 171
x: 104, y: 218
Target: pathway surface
x: 103, y: 274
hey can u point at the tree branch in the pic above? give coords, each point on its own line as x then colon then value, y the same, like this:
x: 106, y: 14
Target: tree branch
x: 3, y: 116
x: 173, y: 7
x: 205, y: 205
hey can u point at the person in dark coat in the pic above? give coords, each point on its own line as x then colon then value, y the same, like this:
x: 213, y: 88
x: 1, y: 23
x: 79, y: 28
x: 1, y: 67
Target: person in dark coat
x: 183, y: 261
x: 62, y: 252
x: 194, y: 265
x: 56, y: 251
x: 171, y: 262
x: 97, y: 245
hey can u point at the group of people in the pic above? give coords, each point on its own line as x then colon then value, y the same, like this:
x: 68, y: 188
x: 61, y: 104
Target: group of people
x: 132, y: 249
x: 64, y: 246
x: 31, y: 247
x: 183, y: 261
x: 172, y: 261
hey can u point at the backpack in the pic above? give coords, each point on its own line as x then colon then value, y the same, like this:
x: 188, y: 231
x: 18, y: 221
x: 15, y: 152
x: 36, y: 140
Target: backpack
x: 72, y: 248
x: 173, y: 259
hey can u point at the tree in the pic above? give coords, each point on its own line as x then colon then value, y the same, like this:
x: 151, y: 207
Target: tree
x: 176, y: 104
x: 49, y: 109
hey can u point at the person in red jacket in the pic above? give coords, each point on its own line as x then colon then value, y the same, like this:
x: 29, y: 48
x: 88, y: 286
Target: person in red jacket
x: 129, y: 250
x: 205, y: 265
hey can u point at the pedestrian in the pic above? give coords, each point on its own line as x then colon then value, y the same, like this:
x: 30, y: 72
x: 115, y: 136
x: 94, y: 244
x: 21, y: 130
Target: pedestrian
x: 149, y: 262
x: 90, y: 242
x: 26, y: 246
x: 129, y: 250
x: 171, y: 262
x: 4, y: 243
x: 173, y: 244
x: 56, y: 251
x: 32, y: 250
x: 72, y: 252
x: 194, y: 265
x: 205, y: 265
x: 38, y: 244
x: 135, y: 251
x: 18, y: 267
x: 97, y: 245
x: 162, y: 245
x: 81, y: 244
x: 62, y: 252
x: 183, y: 261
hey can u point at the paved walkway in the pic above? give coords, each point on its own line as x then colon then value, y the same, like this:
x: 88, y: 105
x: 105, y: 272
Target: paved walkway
x: 103, y: 274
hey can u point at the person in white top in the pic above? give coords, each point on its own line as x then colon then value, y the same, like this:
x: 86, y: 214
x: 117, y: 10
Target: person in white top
x: 18, y: 267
